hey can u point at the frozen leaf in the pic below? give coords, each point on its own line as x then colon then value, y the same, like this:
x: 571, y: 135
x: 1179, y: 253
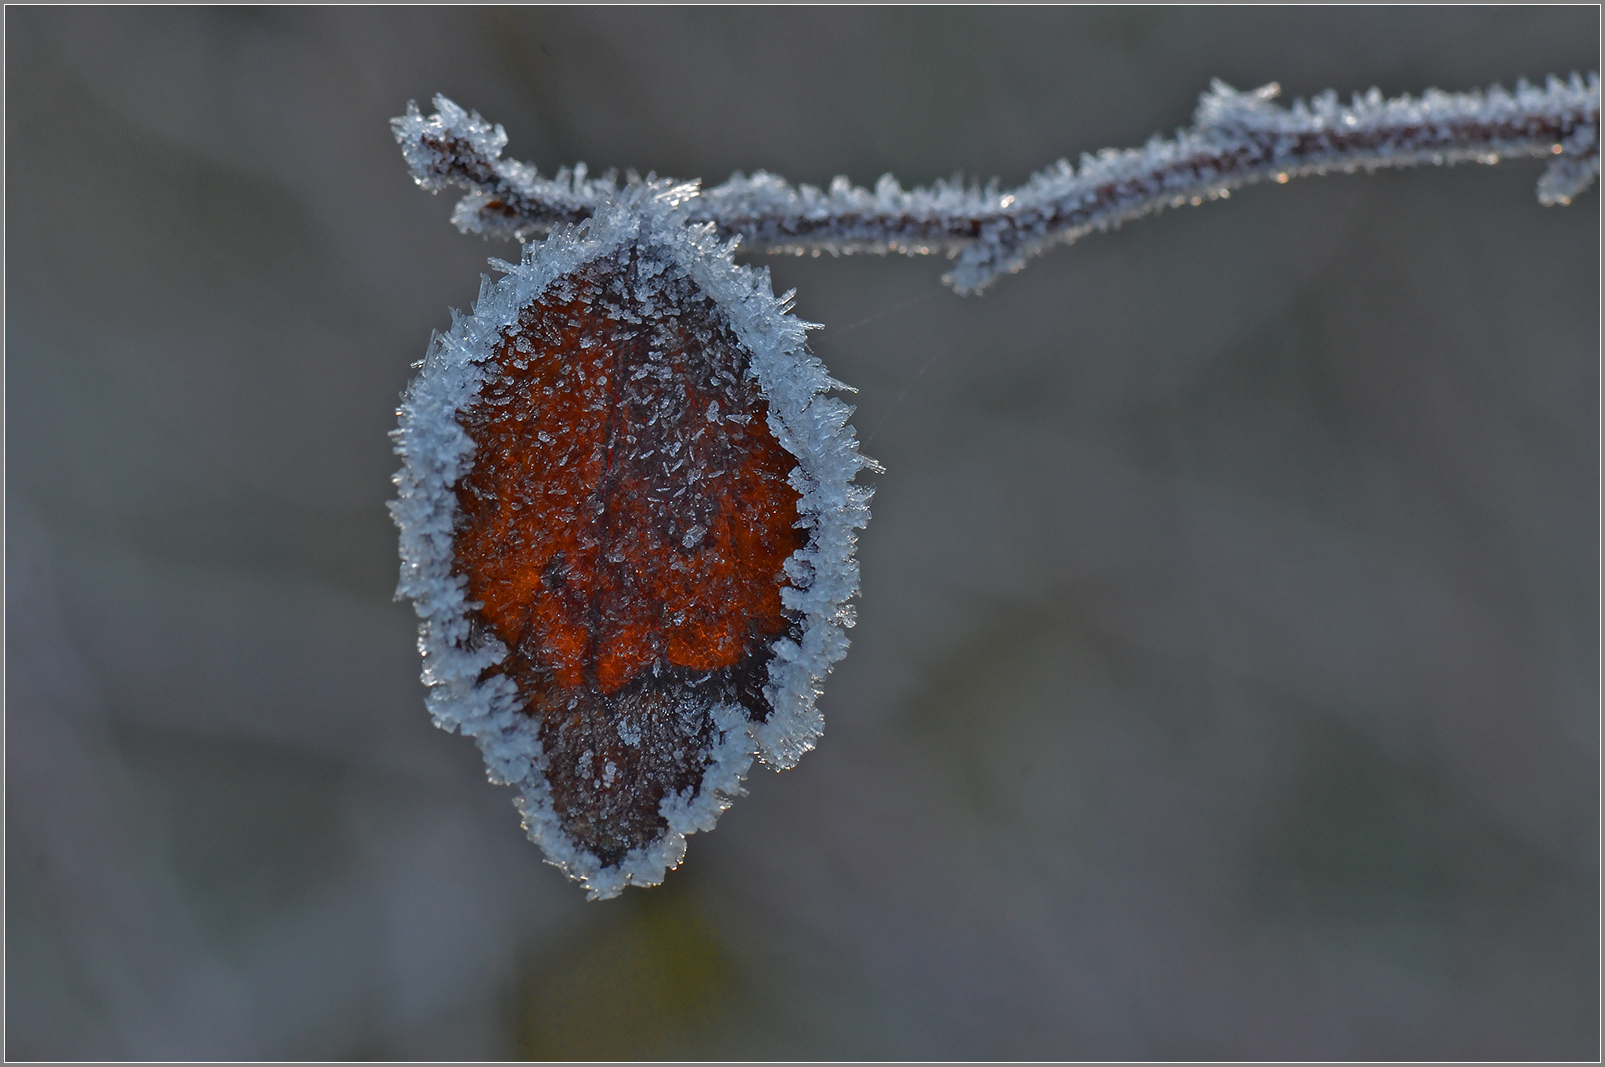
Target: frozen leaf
x: 628, y: 523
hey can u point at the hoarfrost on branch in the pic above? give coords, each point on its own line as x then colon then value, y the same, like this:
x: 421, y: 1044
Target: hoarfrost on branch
x: 1237, y: 138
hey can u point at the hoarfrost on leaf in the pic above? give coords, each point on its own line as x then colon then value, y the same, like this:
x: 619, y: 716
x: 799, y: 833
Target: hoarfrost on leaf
x: 600, y: 555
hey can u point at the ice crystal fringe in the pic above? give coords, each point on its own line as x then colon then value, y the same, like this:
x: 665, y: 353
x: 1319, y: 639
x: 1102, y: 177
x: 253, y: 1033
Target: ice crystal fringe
x: 1237, y: 138
x: 437, y: 452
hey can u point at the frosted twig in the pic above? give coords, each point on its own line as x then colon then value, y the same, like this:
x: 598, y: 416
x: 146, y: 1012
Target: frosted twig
x: 1237, y: 138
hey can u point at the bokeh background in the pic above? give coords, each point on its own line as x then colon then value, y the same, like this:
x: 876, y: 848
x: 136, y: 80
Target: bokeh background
x: 1225, y: 683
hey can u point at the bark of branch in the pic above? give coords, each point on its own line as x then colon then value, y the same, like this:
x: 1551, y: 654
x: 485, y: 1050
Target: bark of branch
x: 1237, y: 139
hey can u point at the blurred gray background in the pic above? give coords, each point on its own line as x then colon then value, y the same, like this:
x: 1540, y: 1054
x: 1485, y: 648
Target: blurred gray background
x: 1225, y: 680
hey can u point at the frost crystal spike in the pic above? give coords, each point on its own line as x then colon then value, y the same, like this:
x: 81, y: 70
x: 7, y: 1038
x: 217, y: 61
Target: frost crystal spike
x: 627, y: 521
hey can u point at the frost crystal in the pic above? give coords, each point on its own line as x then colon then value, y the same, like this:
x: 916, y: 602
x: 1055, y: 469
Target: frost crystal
x: 627, y: 522
x: 1237, y: 138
